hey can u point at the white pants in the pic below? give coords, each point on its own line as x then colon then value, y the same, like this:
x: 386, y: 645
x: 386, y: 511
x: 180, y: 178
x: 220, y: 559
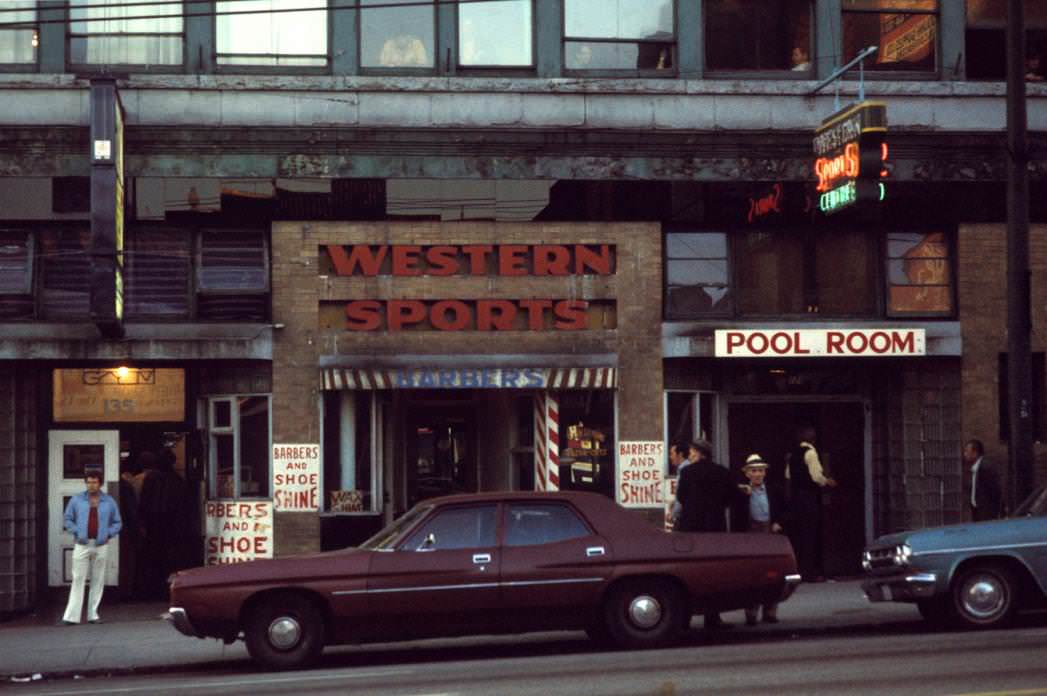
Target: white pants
x: 88, y: 560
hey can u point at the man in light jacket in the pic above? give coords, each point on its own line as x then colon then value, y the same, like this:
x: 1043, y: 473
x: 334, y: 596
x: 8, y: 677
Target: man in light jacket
x: 93, y: 518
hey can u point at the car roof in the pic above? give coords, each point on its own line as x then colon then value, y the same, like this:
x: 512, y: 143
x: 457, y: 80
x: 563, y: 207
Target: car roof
x: 578, y: 497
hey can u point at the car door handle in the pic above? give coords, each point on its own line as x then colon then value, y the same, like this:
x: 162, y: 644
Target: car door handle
x: 481, y: 558
x: 595, y: 551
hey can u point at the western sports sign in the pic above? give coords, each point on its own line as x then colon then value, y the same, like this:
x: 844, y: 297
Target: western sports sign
x: 812, y: 343
x: 850, y: 148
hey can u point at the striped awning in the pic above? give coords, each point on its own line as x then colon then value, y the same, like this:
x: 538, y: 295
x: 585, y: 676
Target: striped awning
x: 336, y: 378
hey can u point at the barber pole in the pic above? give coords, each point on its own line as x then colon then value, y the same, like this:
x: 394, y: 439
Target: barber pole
x: 539, y: 442
x: 546, y: 442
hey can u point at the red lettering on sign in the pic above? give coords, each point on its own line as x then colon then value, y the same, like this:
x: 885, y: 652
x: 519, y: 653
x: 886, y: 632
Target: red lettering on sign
x: 598, y: 262
x: 439, y: 315
x: 570, y: 314
x: 442, y: 260
x: 406, y: 260
x: 370, y: 263
x: 535, y: 312
x: 404, y: 312
x: 497, y: 315
x: 734, y: 340
x: 551, y: 260
x: 834, y: 342
x: 842, y: 166
x: 363, y: 315
x: 771, y: 203
x: 904, y: 342
x: 477, y: 254
x: 512, y: 260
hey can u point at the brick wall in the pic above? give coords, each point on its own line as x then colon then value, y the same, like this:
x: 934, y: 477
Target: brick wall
x: 299, y: 289
x: 982, y: 299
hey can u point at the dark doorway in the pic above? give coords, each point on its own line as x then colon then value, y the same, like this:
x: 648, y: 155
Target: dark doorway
x: 769, y: 429
x: 441, y: 451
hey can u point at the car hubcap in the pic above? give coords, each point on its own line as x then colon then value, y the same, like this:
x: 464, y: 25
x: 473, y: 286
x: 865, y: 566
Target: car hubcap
x: 645, y: 611
x: 983, y: 597
x: 284, y: 633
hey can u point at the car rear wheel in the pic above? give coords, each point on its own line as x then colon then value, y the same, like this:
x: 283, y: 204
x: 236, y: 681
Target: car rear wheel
x: 984, y: 596
x: 644, y: 613
x: 284, y: 632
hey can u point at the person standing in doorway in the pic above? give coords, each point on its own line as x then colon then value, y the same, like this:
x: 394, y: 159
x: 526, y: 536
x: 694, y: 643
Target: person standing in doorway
x: 806, y: 481
x: 758, y: 507
x: 92, y: 517
x: 161, y: 512
x: 986, y: 495
x: 704, y: 491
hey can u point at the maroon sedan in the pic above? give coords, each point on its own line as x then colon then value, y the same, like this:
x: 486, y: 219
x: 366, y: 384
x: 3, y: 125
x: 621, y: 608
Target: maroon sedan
x: 486, y: 563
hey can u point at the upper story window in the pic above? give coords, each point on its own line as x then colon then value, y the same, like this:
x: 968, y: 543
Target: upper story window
x: 905, y: 33
x: 986, y: 40
x: 271, y: 33
x: 125, y: 32
x: 18, y: 44
x: 496, y: 33
x: 758, y: 35
x: 919, y: 274
x: 833, y: 271
x: 621, y: 35
x: 231, y: 282
x: 696, y: 274
x: 397, y: 37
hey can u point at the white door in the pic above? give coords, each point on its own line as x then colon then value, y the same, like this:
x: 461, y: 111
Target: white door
x: 70, y: 453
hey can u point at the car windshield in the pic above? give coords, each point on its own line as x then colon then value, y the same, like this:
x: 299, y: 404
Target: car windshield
x: 387, y: 538
x: 1034, y: 506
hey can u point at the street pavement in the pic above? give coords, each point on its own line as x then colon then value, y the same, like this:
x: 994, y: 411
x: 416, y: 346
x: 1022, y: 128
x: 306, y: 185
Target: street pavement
x: 134, y: 638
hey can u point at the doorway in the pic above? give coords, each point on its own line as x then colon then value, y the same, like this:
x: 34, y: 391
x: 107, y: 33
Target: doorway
x: 768, y: 428
x: 441, y: 451
x: 70, y: 453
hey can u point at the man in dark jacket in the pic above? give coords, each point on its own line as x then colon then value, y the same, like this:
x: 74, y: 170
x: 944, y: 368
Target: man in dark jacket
x: 758, y: 507
x: 986, y: 497
x: 704, y: 492
x: 806, y: 481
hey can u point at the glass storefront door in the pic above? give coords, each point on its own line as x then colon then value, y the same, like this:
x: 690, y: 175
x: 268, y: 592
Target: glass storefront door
x: 70, y: 454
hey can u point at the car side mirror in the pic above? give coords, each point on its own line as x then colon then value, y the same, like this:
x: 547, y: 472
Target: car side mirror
x: 428, y: 544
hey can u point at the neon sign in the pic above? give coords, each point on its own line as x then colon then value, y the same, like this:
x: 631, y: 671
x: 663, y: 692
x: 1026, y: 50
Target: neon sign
x: 851, y: 153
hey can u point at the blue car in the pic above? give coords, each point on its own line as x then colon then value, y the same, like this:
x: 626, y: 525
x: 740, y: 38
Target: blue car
x: 975, y: 575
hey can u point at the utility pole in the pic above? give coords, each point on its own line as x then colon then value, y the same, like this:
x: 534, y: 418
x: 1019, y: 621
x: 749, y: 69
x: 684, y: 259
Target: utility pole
x: 1019, y: 358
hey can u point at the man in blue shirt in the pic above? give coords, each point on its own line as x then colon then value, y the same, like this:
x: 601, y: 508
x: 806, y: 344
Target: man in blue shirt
x: 92, y: 517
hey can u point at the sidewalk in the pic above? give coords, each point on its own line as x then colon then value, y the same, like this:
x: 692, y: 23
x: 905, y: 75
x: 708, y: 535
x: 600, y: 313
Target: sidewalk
x: 134, y: 637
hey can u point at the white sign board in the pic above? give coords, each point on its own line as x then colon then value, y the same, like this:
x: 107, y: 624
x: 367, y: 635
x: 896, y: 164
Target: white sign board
x: 296, y: 478
x: 238, y: 532
x: 640, y: 470
x: 669, y: 496
x: 810, y: 343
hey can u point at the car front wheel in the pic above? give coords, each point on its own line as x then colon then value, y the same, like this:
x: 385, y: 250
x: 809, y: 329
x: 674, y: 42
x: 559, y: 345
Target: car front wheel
x: 642, y: 614
x: 284, y: 632
x: 984, y: 596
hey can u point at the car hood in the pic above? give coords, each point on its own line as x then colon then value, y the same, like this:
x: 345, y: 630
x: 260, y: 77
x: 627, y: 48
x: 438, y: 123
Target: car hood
x: 286, y: 568
x: 954, y: 536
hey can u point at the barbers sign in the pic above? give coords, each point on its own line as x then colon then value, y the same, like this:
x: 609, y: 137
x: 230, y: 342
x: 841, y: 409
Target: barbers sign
x: 812, y: 343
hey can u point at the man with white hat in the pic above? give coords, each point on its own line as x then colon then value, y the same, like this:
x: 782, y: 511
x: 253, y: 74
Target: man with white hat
x: 759, y: 507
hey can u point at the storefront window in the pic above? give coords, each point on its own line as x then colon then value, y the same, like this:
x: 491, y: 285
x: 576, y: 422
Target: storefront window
x: 905, y: 33
x: 846, y: 278
x: 264, y: 37
x: 987, y: 36
x: 758, y: 35
x: 497, y: 33
x: 619, y: 35
x: 124, y: 32
x: 18, y: 44
x: 397, y: 37
x: 15, y: 262
x: 696, y: 274
x: 239, y: 446
x: 350, y: 483
x: 919, y: 274
x: 587, y: 440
